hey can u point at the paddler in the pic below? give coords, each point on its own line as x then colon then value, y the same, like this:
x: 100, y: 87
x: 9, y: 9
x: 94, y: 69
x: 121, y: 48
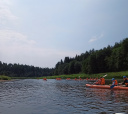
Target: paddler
x: 101, y: 81
x: 114, y: 83
x: 125, y: 81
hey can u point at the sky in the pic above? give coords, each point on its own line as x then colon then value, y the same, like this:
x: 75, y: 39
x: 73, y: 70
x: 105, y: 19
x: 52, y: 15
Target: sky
x: 42, y: 32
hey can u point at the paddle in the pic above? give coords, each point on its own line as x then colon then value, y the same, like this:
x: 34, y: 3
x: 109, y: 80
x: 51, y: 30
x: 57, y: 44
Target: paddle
x: 105, y: 75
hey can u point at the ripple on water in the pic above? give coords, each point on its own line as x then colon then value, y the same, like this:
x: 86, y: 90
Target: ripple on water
x: 32, y: 96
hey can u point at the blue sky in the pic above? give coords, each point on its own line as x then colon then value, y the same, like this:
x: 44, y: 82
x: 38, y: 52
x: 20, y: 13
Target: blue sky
x: 42, y: 32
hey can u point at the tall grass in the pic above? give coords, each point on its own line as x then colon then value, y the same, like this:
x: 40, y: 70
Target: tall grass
x: 110, y: 75
x: 2, y: 77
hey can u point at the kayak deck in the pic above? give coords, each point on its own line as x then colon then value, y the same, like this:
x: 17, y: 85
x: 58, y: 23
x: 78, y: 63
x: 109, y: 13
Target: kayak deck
x: 106, y: 87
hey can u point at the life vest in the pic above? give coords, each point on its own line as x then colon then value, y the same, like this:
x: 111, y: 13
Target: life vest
x: 45, y: 79
x: 102, y: 81
x: 116, y: 83
x: 126, y: 84
x: 127, y: 81
x: 98, y: 82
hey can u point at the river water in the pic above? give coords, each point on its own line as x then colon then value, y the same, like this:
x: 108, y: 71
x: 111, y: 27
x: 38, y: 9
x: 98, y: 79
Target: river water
x: 32, y: 96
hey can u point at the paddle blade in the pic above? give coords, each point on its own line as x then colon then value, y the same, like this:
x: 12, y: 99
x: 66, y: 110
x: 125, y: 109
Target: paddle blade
x: 105, y: 75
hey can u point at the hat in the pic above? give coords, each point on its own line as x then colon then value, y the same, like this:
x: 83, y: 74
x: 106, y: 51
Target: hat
x: 124, y: 77
x: 113, y: 79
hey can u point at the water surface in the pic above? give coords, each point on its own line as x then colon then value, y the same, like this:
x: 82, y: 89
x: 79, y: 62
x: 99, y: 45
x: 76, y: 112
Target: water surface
x: 31, y: 96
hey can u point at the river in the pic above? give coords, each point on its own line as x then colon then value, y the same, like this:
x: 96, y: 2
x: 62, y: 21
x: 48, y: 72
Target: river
x: 32, y: 96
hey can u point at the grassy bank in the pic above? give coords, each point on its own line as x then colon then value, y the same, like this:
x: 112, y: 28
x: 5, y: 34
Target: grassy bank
x: 110, y: 75
x: 2, y: 77
x: 23, y: 77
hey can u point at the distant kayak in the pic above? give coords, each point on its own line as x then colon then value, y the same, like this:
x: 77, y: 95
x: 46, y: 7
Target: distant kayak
x: 106, y: 87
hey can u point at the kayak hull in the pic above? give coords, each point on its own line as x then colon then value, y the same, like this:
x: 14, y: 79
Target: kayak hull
x: 106, y: 87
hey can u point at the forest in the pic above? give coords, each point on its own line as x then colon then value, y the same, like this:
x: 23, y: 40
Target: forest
x: 109, y: 59
x: 17, y: 70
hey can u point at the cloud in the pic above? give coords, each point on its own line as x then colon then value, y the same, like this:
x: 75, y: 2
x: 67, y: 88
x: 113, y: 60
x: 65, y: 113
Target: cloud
x: 11, y: 37
x: 31, y: 55
x: 16, y: 47
x: 6, y: 15
x: 95, y: 38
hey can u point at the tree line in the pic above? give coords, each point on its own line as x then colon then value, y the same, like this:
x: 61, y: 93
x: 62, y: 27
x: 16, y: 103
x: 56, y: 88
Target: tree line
x: 109, y: 59
x: 17, y: 70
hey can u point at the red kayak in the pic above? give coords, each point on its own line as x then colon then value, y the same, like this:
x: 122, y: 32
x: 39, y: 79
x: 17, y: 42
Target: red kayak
x: 106, y: 87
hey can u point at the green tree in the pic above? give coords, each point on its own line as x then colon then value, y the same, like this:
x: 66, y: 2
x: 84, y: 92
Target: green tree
x: 65, y: 68
x: 71, y: 67
x: 77, y: 67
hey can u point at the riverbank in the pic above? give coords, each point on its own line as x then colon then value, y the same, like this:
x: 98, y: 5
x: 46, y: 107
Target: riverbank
x: 110, y: 75
x: 4, y: 78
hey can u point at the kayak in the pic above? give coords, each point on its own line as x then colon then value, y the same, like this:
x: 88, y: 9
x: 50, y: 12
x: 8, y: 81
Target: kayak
x: 106, y: 87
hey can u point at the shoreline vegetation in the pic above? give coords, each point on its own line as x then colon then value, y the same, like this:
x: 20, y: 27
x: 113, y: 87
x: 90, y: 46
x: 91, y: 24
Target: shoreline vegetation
x: 110, y: 75
x: 4, y: 78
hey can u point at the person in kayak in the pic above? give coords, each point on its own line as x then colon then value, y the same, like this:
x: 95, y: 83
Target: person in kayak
x: 125, y: 81
x: 114, y: 83
x: 101, y: 81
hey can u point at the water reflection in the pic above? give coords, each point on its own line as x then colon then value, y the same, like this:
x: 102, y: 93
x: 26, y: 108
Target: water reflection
x: 107, y: 94
x: 109, y: 100
x: 59, y: 97
x: 92, y: 100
